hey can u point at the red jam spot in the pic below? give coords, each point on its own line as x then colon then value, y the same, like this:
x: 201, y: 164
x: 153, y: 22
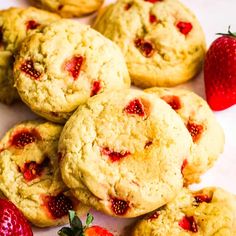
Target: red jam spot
x: 152, y: 19
x: 185, y: 163
x: 60, y: 7
x: 119, y: 207
x: 154, y: 216
x: 114, y: 156
x: 153, y: 1
x: 24, y: 137
x: 188, y: 223
x: 135, y: 107
x: 173, y: 101
x: 184, y: 27
x: 28, y: 68
x: 202, y: 198
x: 145, y: 47
x: 58, y: 206
x: 73, y: 66
x: 195, y: 130
x: 148, y: 144
x: 128, y: 6
x: 31, y: 25
x: 96, y: 87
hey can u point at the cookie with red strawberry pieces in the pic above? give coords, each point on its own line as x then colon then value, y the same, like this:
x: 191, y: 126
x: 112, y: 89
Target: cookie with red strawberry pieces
x: 208, y: 212
x: 122, y: 153
x: 15, y: 25
x: 69, y: 8
x: 30, y: 176
x: 62, y: 66
x: 162, y: 40
x: 207, y: 134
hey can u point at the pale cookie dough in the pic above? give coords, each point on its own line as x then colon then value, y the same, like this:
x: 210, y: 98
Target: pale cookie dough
x: 30, y: 176
x: 59, y: 68
x: 15, y: 25
x: 122, y: 153
x: 206, y: 132
x: 208, y: 212
x: 69, y: 8
x: 162, y: 41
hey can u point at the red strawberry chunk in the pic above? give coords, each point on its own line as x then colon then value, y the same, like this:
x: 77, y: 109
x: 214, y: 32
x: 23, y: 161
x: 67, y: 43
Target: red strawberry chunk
x: 128, y: 6
x: 96, y: 87
x: 145, y: 47
x: 202, y: 198
x: 188, y: 223
x: 135, y: 107
x: 60, y: 7
x: 73, y: 66
x: 28, y: 68
x: 152, y: 19
x: 31, y: 25
x: 58, y: 206
x: 153, y: 1
x: 195, y: 130
x: 97, y: 231
x: 148, y: 144
x: 185, y: 163
x: 23, y: 137
x: 119, y: 206
x: 173, y: 101
x: 114, y: 156
x: 184, y: 27
x: 154, y: 216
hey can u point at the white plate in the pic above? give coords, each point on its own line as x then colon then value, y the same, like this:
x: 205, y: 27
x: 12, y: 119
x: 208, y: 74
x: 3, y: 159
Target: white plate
x: 215, y: 16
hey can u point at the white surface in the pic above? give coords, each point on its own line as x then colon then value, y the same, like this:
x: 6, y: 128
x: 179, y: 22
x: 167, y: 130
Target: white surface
x: 215, y: 16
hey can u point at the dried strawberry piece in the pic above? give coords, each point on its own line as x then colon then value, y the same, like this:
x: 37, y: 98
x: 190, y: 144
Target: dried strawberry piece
x: 184, y: 27
x: 28, y: 68
x: 152, y: 18
x: 195, y: 130
x: 188, y: 223
x: 114, y: 156
x: 153, y: 1
x: 128, y: 6
x: 23, y: 137
x: 135, y: 107
x: 148, y: 144
x: 96, y: 87
x: 185, y: 162
x: 145, y: 47
x: 202, y: 198
x: 173, y: 101
x: 153, y: 216
x: 119, y: 206
x: 31, y: 25
x: 73, y: 66
x: 58, y: 206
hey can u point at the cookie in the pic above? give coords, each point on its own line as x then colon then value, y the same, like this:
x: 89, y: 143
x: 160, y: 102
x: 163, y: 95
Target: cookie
x: 206, y: 132
x: 208, y: 212
x: 122, y: 153
x: 59, y: 68
x: 15, y: 25
x: 30, y: 175
x: 69, y: 8
x: 162, y: 41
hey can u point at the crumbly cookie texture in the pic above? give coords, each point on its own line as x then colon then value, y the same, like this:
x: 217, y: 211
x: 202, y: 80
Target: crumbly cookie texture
x: 122, y: 153
x: 15, y: 25
x: 206, y: 132
x: 30, y: 175
x: 208, y: 212
x: 69, y: 8
x: 59, y: 68
x: 163, y: 42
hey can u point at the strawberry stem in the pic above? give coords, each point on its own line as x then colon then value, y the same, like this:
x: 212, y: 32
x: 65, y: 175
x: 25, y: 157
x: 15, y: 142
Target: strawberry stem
x: 231, y: 34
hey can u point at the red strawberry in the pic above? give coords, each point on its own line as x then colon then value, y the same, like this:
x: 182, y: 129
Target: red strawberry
x: 77, y: 229
x: 220, y: 72
x: 73, y: 66
x: 28, y: 68
x: 188, y: 223
x: 202, y: 198
x: 12, y: 221
x: 114, y: 156
x: 31, y: 25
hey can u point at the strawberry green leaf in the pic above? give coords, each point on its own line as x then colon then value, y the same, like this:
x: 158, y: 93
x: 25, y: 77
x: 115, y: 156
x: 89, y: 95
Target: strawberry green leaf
x: 65, y: 231
x: 89, y: 219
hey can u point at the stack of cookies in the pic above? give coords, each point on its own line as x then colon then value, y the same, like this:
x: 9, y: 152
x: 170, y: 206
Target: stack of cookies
x: 122, y: 151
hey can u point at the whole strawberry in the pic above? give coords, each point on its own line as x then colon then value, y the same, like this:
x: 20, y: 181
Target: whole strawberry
x: 12, y: 221
x: 77, y: 229
x: 220, y: 72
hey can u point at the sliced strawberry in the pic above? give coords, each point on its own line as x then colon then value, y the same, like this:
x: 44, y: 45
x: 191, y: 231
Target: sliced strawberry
x: 195, y: 130
x: 73, y: 66
x: 96, y: 87
x: 28, y: 68
x: 184, y: 27
x: 135, y: 107
x: 188, y: 223
x: 12, y: 221
x: 114, y: 156
x: 97, y: 231
x: 153, y: 216
x: 152, y: 18
x: 202, y: 198
x: 173, y: 101
x: 153, y: 1
x: 119, y: 206
x: 31, y: 25
x: 145, y: 47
